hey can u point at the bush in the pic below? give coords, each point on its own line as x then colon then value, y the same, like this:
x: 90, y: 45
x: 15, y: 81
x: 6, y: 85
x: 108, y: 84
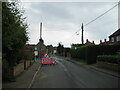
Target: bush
x: 5, y: 70
x: 90, y: 53
x: 108, y: 58
x: 78, y: 53
x: 108, y: 49
x: 28, y: 55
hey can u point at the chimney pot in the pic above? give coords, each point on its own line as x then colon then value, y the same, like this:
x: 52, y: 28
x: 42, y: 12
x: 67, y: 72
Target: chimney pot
x: 105, y: 40
x: 86, y: 40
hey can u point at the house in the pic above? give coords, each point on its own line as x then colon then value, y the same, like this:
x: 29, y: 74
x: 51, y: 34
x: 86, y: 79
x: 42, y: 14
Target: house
x: 113, y: 39
x: 41, y: 47
x: 30, y: 47
x: 50, y: 49
x: 89, y: 43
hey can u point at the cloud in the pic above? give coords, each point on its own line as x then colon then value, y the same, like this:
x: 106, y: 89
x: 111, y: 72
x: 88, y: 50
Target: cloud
x: 62, y: 19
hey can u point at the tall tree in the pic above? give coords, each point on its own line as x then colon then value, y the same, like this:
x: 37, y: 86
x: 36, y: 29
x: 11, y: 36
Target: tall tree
x: 14, y: 34
x: 60, y: 48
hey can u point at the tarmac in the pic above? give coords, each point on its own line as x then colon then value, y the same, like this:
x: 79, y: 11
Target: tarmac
x: 95, y: 67
x: 26, y: 79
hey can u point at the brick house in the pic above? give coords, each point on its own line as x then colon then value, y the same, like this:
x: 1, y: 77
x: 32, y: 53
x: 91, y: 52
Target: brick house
x: 89, y: 43
x: 41, y: 47
x: 113, y: 39
x: 30, y: 47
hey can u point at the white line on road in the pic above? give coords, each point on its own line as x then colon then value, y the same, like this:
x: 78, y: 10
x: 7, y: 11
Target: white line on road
x: 34, y: 77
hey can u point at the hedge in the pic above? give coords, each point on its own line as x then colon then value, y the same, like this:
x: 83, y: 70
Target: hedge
x: 109, y: 58
x: 78, y: 53
x: 90, y: 53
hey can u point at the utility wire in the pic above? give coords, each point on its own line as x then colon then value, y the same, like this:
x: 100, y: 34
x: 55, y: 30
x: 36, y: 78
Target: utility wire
x: 97, y: 18
x: 102, y: 14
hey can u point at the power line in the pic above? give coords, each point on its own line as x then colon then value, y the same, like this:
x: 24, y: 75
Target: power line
x: 102, y: 14
x: 97, y: 18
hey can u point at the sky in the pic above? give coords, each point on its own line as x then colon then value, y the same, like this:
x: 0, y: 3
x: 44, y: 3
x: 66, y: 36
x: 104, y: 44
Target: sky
x: 62, y: 19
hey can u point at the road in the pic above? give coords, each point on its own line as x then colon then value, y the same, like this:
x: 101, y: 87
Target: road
x: 70, y: 75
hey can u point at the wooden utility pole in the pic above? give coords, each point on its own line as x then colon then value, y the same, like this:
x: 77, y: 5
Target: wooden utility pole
x: 82, y: 34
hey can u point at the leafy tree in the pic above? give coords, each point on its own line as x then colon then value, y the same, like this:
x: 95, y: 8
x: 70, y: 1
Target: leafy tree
x: 77, y: 45
x: 14, y: 34
x: 60, y: 48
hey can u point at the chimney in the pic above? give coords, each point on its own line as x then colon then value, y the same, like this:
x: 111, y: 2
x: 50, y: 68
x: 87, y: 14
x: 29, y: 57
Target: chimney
x: 100, y: 41
x: 105, y: 40
x: 86, y: 40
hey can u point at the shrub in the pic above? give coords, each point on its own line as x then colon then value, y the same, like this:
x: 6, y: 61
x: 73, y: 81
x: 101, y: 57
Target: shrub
x: 90, y: 53
x: 78, y: 53
x: 108, y: 58
x: 5, y: 70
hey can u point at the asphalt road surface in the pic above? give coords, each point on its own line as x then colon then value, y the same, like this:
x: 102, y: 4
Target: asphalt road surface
x: 70, y: 75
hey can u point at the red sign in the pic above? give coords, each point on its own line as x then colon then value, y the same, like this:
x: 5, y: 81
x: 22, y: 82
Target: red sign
x: 46, y: 60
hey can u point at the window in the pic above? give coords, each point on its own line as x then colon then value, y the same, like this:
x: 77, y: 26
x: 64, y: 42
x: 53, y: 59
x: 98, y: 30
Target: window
x: 118, y: 38
x: 112, y: 39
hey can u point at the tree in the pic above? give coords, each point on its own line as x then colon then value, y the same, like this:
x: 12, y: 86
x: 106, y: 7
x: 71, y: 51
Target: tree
x: 14, y: 32
x: 60, y: 48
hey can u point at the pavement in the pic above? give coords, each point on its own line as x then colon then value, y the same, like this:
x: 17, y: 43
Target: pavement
x: 95, y: 67
x: 25, y: 80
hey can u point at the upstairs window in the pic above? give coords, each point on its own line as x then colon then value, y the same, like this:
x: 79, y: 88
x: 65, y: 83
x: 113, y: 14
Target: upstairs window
x: 112, y: 39
x: 118, y: 38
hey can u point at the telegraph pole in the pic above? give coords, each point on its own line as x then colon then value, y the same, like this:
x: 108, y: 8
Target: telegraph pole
x: 82, y: 34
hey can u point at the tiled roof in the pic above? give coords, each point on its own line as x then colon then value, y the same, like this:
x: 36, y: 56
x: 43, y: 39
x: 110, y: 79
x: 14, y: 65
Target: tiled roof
x: 116, y: 33
x: 89, y: 43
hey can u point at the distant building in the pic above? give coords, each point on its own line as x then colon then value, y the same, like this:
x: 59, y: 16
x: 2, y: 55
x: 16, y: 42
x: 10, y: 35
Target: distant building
x: 41, y: 47
x: 54, y: 50
x: 30, y: 47
x: 50, y: 49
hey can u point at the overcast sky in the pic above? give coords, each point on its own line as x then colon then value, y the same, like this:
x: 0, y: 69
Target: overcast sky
x: 62, y: 19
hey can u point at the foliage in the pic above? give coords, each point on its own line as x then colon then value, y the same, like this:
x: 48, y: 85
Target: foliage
x: 90, y: 53
x: 50, y: 49
x: 77, y: 45
x: 66, y: 49
x: 79, y: 52
x: 60, y: 49
x: 5, y: 69
x: 14, y: 34
x: 28, y: 55
x: 109, y: 58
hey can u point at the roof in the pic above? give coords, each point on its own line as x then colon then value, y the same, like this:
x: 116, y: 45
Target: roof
x: 105, y: 43
x: 89, y: 43
x: 30, y: 45
x: 116, y: 33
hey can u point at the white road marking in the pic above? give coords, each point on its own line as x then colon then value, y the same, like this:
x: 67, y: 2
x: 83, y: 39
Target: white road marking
x: 34, y: 77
